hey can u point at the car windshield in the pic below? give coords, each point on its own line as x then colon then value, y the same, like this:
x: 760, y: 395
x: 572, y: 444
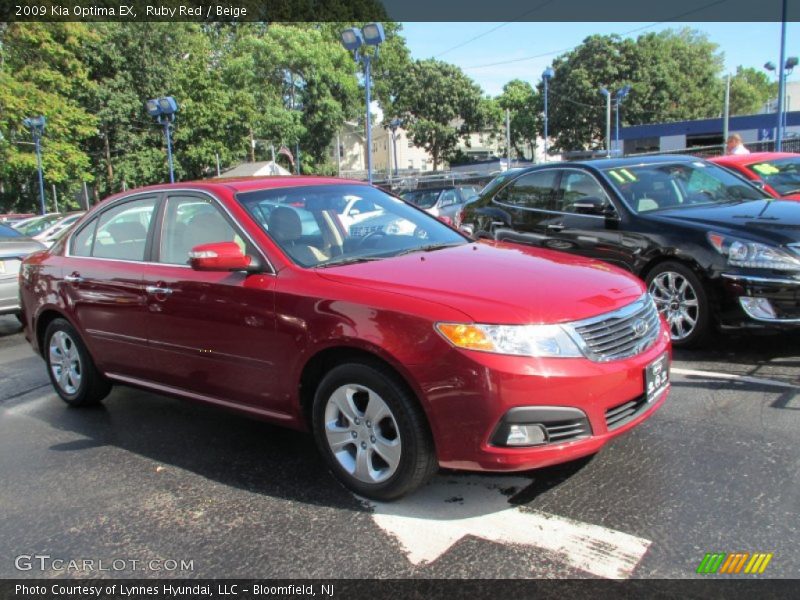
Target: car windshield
x: 422, y: 198
x: 782, y: 174
x: 38, y: 225
x: 326, y: 225
x: 468, y: 192
x: 9, y: 232
x: 662, y: 186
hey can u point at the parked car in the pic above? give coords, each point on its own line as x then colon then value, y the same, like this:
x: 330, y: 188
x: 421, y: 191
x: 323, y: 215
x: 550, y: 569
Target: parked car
x: 400, y: 352
x: 11, y: 218
x: 442, y: 201
x: 711, y: 248
x: 13, y: 248
x: 778, y: 173
x: 48, y: 235
x: 35, y: 225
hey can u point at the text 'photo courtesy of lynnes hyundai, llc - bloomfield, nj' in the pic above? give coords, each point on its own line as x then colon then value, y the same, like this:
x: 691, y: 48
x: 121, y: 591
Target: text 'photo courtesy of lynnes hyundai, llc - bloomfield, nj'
x: 364, y: 304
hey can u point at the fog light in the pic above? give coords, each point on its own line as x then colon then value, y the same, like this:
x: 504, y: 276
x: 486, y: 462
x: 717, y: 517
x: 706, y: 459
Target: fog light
x: 758, y: 308
x: 526, y: 435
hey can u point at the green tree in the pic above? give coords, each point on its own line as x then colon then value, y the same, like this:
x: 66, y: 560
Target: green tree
x: 674, y: 75
x: 750, y: 89
x: 439, y: 104
x: 41, y: 73
x: 519, y: 97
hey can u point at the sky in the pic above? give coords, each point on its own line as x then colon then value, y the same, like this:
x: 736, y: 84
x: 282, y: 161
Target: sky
x: 746, y: 44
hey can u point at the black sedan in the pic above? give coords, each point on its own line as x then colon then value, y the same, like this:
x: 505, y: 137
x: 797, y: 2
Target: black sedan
x: 711, y: 247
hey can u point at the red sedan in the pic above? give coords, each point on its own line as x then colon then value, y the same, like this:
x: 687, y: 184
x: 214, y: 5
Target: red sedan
x: 400, y: 343
x: 778, y: 173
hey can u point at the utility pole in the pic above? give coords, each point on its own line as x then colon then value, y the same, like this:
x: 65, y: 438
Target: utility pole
x: 608, y: 125
x: 85, y: 196
x: 727, y: 113
x: 216, y: 154
x: 508, y: 136
x: 338, y: 156
x: 252, y: 147
x: 781, y: 82
x: 109, y: 168
x: 55, y: 197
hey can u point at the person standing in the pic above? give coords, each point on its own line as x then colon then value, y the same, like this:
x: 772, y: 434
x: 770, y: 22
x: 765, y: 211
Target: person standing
x: 735, y: 145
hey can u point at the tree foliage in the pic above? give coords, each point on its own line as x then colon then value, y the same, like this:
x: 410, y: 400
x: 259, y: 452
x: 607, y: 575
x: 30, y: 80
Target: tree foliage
x: 674, y: 75
x: 519, y: 97
x: 750, y: 90
x: 439, y: 105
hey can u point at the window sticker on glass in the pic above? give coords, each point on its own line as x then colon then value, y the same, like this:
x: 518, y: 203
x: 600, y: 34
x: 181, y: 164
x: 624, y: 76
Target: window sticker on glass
x: 765, y: 169
x: 623, y: 175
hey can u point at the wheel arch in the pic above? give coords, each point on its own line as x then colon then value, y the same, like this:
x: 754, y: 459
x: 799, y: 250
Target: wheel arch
x: 325, y: 359
x: 42, y: 321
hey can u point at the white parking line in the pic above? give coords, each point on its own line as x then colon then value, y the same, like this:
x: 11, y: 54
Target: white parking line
x: 734, y: 377
x: 430, y: 521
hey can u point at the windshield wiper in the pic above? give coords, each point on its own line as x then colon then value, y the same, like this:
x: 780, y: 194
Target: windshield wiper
x: 428, y: 248
x: 350, y: 260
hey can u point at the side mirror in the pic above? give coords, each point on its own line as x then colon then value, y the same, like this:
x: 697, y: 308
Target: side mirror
x: 219, y: 256
x: 590, y: 205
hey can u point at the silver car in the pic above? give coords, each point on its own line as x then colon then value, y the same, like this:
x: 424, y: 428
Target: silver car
x: 442, y: 201
x: 13, y: 248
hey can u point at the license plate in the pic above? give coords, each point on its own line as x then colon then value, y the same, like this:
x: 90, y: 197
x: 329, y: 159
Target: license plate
x: 656, y: 377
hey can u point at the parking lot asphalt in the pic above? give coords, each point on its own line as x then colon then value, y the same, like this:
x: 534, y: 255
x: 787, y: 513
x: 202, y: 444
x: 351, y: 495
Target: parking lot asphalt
x: 146, y: 477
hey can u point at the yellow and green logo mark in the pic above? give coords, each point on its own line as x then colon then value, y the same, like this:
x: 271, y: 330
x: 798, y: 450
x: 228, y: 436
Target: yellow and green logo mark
x: 734, y: 563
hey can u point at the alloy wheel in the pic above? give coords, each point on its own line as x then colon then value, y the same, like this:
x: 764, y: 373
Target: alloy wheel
x: 362, y: 433
x: 677, y: 300
x: 65, y: 362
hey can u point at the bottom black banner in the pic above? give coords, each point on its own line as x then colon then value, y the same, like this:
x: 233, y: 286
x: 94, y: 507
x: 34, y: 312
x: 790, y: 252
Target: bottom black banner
x: 242, y: 589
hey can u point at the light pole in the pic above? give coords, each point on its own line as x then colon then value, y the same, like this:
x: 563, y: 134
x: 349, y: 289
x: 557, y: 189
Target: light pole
x: 164, y: 109
x: 394, y: 124
x: 352, y: 39
x: 788, y: 66
x: 547, y: 75
x: 621, y: 93
x: 607, y: 94
x: 36, y: 125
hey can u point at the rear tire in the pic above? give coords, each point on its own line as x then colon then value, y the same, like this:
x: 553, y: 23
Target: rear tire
x: 371, y: 432
x: 681, y: 298
x: 70, y: 367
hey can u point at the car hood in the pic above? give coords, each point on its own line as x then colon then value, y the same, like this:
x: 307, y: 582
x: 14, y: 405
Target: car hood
x: 18, y: 247
x: 501, y: 283
x: 777, y: 221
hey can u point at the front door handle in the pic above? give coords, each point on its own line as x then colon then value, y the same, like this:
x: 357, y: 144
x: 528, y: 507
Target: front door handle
x: 555, y: 227
x: 152, y: 289
x: 74, y: 278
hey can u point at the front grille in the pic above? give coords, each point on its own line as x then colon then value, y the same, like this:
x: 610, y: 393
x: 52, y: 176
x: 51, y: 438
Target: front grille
x: 567, y: 431
x: 617, y: 416
x: 625, y: 332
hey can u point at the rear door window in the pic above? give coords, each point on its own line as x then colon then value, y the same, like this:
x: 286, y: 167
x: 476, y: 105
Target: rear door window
x: 534, y: 190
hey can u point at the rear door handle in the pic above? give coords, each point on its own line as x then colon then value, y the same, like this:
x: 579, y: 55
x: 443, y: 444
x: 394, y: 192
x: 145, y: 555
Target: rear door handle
x: 152, y: 289
x: 555, y: 227
x: 74, y: 278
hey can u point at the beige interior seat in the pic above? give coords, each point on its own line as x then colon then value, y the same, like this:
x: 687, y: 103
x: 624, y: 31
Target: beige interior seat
x: 286, y: 228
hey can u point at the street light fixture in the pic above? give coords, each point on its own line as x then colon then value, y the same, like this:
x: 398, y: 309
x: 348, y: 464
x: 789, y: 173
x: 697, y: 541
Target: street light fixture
x: 353, y: 39
x: 394, y: 124
x: 547, y: 75
x: 621, y: 93
x: 36, y: 126
x: 607, y: 94
x: 163, y: 110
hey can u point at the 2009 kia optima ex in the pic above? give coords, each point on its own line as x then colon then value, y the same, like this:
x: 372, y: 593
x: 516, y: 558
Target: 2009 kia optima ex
x: 399, y: 342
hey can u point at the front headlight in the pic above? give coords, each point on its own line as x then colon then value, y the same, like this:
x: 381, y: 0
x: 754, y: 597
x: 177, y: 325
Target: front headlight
x: 517, y: 340
x: 743, y: 253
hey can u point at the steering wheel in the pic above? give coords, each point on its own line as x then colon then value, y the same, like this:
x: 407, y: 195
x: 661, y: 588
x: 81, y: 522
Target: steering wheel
x: 371, y: 235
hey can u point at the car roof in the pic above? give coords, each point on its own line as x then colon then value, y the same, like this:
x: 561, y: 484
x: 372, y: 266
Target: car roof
x: 244, y: 184
x: 753, y: 157
x: 614, y: 163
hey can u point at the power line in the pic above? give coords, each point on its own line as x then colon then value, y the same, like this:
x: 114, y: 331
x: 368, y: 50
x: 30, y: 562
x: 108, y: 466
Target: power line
x: 493, y: 29
x: 635, y: 30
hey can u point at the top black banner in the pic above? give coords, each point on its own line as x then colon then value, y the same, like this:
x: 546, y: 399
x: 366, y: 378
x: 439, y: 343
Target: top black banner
x: 402, y: 10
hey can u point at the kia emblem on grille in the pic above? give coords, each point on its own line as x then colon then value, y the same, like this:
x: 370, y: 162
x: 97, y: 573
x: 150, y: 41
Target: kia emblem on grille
x: 639, y: 328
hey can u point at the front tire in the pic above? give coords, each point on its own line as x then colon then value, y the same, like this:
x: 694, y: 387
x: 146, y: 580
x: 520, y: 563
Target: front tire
x: 70, y: 367
x: 681, y: 298
x: 371, y: 432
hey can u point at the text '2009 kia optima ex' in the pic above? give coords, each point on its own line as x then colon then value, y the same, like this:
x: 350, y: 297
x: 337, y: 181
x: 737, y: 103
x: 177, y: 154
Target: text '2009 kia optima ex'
x: 400, y: 343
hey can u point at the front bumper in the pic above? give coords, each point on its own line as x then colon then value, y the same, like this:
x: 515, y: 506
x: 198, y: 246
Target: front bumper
x: 469, y: 395
x: 759, y: 301
x: 9, y: 295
